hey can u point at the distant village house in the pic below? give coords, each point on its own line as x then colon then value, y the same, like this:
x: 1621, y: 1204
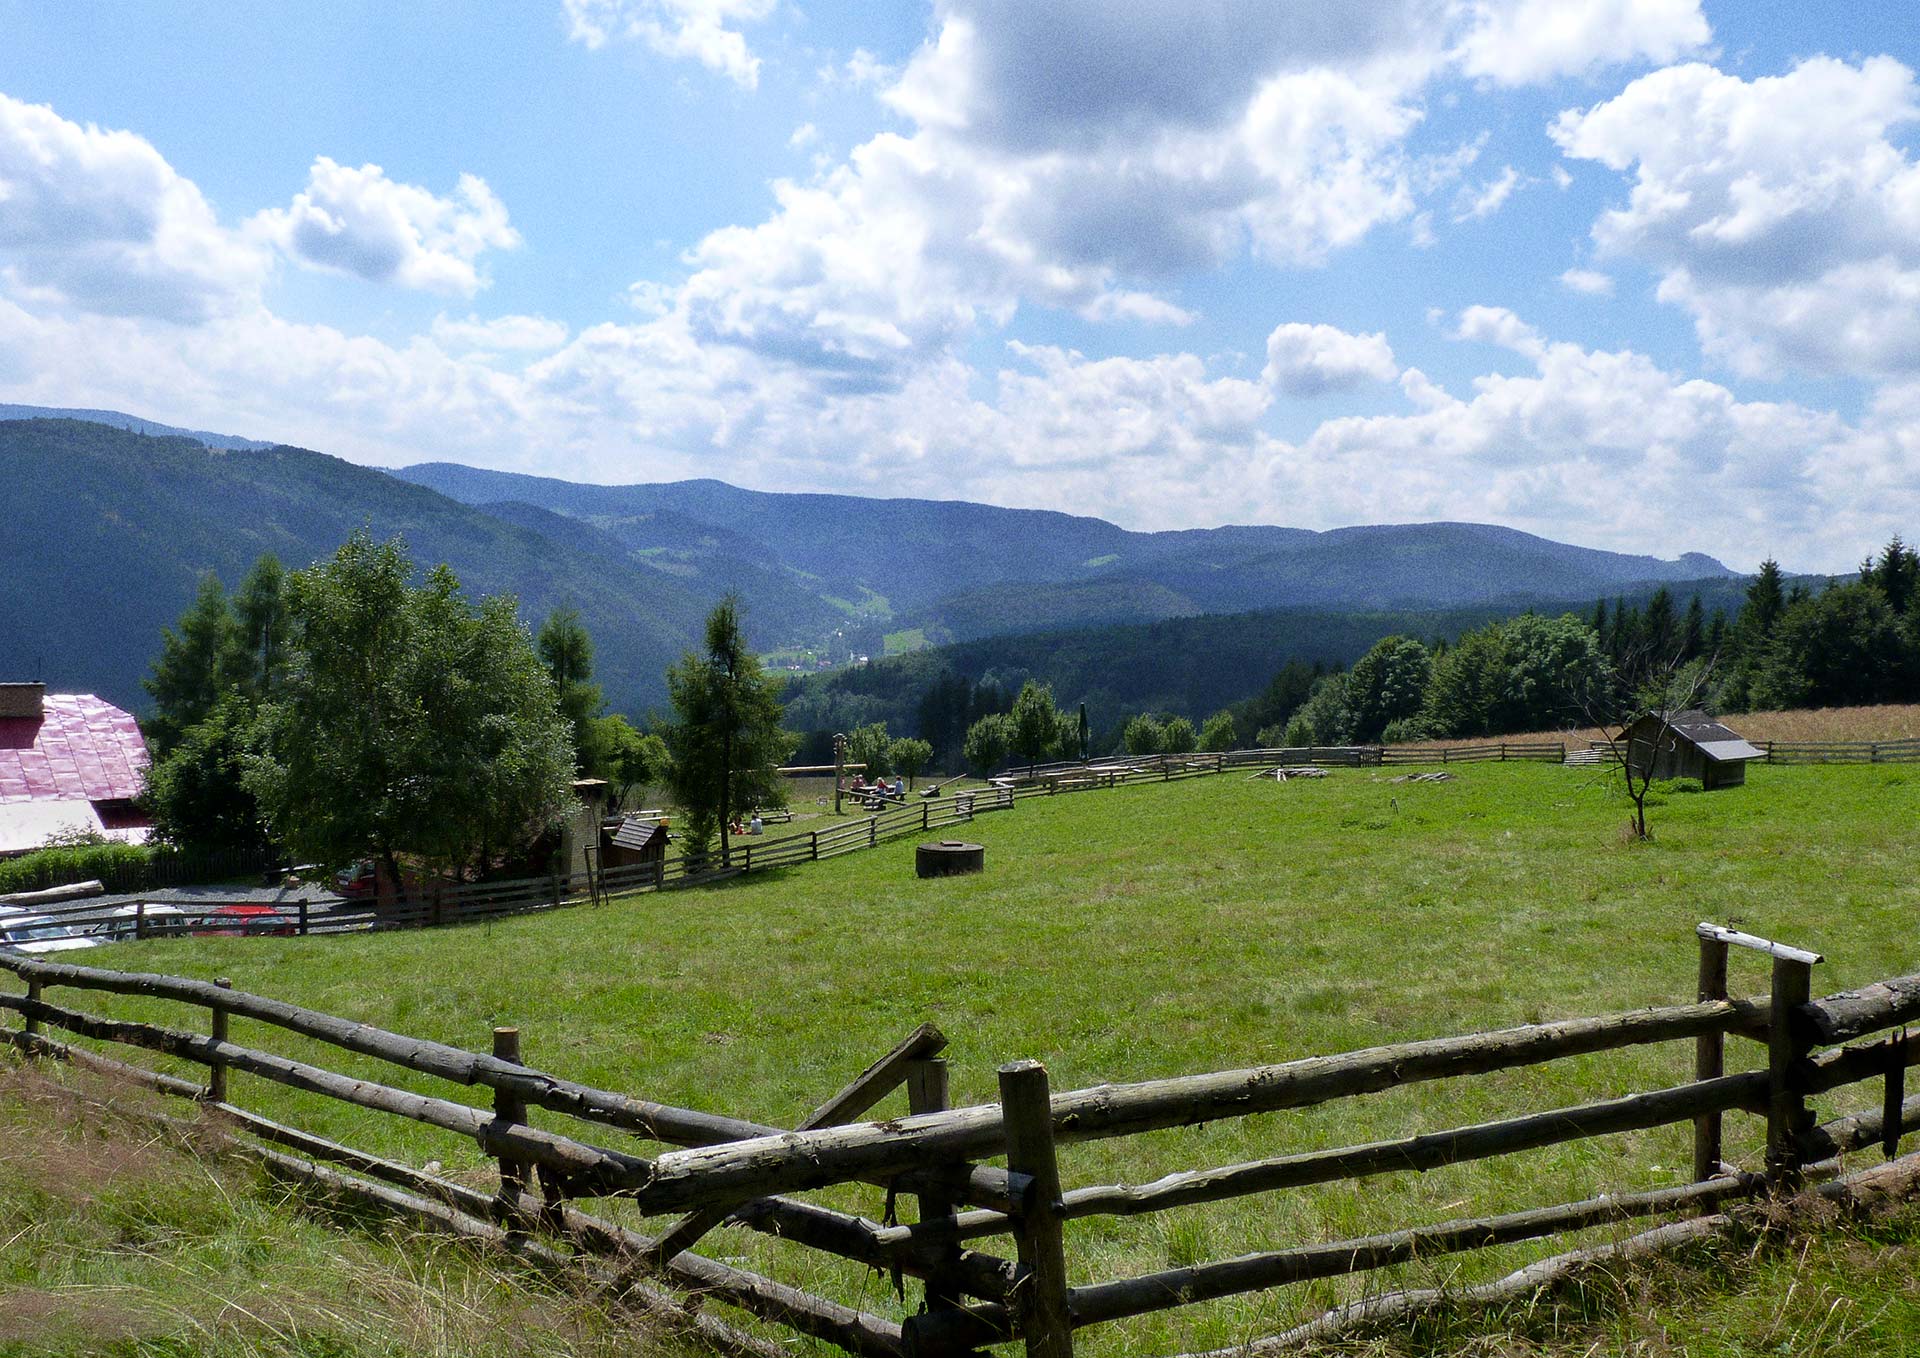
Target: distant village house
x: 71, y: 764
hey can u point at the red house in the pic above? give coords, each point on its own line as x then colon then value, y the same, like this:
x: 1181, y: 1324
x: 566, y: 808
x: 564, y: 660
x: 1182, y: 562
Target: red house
x: 68, y: 762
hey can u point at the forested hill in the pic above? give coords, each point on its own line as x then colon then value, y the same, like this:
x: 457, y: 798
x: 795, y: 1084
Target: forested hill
x: 1187, y: 666
x: 108, y: 531
x: 958, y: 570
x: 131, y: 423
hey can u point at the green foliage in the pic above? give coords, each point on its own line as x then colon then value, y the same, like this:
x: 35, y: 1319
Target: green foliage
x: 1403, y: 731
x: 1144, y: 735
x: 910, y: 757
x: 628, y: 760
x: 1179, y: 736
x: 1218, y: 733
x: 1386, y: 684
x: 1299, y: 733
x: 195, y: 666
x: 260, y: 626
x: 409, y: 722
x: 42, y: 868
x: 1842, y: 647
x: 872, y: 746
x: 725, y: 735
x: 987, y: 742
x: 1324, y: 719
x: 567, y: 651
x: 198, y: 794
x: 1034, y: 725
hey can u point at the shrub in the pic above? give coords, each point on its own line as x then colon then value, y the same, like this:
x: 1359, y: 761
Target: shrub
x: 63, y: 864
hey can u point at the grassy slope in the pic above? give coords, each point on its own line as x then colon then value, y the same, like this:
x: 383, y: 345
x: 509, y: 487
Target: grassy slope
x: 1885, y: 721
x: 115, y: 1239
x: 1160, y: 930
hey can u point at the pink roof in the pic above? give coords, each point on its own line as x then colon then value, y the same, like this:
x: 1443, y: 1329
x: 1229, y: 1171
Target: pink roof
x: 80, y: 748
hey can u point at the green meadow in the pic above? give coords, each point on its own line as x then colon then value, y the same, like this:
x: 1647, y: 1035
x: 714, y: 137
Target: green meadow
x: 1160, y: 930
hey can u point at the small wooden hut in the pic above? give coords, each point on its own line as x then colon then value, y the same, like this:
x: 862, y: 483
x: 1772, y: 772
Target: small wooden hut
x: 1688, y: 745
x: 634, y: 839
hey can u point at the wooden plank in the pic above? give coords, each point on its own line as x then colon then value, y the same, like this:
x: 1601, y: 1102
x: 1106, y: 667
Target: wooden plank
x: 956, y: 1331
x: 1855, y: 1013
x: 860, y: 1094
x: 1040, y: 1303
x: 1735, y: 938
x: 1788, y: 1118
x: 683, y: 1179
x: 1420, y: 1152
x: 1709, y: 1056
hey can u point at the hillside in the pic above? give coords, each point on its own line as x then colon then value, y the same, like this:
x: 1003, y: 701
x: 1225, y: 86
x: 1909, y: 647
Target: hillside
x: 110, y: 531
x: 958, y: 571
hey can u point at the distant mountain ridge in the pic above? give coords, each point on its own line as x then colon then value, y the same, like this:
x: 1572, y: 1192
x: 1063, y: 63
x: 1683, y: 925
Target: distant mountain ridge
x: 132, y: 423
x: 115, y: 519
x: 958, y: 570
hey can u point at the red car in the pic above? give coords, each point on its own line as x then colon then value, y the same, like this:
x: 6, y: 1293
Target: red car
x: 241, y: 920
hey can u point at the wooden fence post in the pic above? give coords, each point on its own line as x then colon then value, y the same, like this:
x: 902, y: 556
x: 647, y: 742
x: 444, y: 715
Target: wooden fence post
x: 140, y: 919
x: 1040, y: 1303
x: 513, y: 1173
x: 32, y: 1025
x: 873, y: 831
x: 1709, y: 1058
x: 927, y: 1092
x: 303, y: 917
x: 1787, y: 1115
x: 217, y: 1070
x: 926, y: 817
x: 816, y: 846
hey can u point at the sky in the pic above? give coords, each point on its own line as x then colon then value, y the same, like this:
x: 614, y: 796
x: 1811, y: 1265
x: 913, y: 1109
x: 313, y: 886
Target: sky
x: 1635, y: 274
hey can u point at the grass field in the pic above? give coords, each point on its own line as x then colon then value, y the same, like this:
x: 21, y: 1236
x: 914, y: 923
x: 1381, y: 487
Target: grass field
x: 1887, y: 721
x: 1159, y: 930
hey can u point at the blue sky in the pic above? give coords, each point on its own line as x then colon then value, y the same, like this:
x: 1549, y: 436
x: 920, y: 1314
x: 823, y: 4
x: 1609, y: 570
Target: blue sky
x: 1642, y: 274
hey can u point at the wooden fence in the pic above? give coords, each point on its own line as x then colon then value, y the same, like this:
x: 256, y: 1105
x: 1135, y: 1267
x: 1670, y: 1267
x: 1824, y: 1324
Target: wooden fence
x: 1841, y: 751
x: 717, y: 1168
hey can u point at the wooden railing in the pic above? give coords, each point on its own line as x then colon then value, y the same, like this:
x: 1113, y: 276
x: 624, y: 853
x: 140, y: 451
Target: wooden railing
x: 718, y: 1168
x: 1841, y: 751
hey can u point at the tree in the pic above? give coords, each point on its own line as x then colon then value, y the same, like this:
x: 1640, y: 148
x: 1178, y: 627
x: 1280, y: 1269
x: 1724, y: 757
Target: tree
x: 409, y: 723
x: 260, y: 618
x: 1035, y: 723
x: 1218, y: 733
x: 629, y: 760
x: 1324, y: 717
x: 1471, y: 691
x: 1556, y: 672
x: 1839, y: 648
x: 1144, y: 735
x: 567, y: 651
x: 195, y: 666
x: 872, y: 746
x: 198, y: 795
x: 725, y: 737
x: 1386, y: 684
x: 910, y: 757
x: 986, y: 744
x: 1180, y: 737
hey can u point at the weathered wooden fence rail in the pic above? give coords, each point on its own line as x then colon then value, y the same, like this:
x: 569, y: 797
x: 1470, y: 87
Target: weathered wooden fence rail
x: 1841, y: 751
x: 716, y: 1169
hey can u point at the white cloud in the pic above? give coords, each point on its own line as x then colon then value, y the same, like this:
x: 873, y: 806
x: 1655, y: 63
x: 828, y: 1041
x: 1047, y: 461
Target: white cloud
x: 1312, y: 360
x: 703, y: 30
x: 99, y: 220
x: 359, y: 222
x: 1588, y: 282
x: 803, y: 136
x: 500, y: 334
x: 1523, y: 42
x: 1478, y: 203
x: 1794, y: 240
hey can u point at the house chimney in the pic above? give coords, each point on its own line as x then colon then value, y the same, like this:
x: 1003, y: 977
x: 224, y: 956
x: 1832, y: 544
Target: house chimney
x: 22, y: 700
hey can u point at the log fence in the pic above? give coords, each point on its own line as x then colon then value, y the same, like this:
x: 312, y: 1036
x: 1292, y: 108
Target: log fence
x: 711, y: 1169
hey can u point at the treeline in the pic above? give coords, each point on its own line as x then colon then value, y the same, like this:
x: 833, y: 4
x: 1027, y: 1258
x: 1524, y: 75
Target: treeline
x: 1853, y: 642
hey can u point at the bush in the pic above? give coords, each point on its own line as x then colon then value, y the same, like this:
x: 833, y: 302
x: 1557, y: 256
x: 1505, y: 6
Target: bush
x: 65, y: 864
x: 1402, y: 732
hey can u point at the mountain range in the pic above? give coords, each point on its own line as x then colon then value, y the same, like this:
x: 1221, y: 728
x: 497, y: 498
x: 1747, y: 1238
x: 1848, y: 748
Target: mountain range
x: 112, y: 520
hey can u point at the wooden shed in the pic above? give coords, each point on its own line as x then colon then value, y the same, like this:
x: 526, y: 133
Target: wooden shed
x: 1689, y: 745
x: 633, y: 839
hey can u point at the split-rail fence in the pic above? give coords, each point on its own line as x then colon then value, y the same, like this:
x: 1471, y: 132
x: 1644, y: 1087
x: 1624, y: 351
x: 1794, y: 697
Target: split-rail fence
x: 713, y: 1169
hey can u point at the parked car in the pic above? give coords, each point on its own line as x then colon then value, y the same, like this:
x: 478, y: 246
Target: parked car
x: 40, y: 933
x: 243, y: 920
x: 124, y: 921
x: 356, y: 881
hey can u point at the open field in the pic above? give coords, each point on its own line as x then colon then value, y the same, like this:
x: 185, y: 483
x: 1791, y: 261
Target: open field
x: 1886, y: 721
x: 1159, y: 930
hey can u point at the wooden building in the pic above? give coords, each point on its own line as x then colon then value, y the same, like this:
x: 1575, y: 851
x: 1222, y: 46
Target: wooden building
x: 634, y: 839
x: 1689, y: 745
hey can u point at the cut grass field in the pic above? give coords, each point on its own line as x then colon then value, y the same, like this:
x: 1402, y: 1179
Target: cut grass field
x: 1160, y: 930
x: 1886, y: 721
